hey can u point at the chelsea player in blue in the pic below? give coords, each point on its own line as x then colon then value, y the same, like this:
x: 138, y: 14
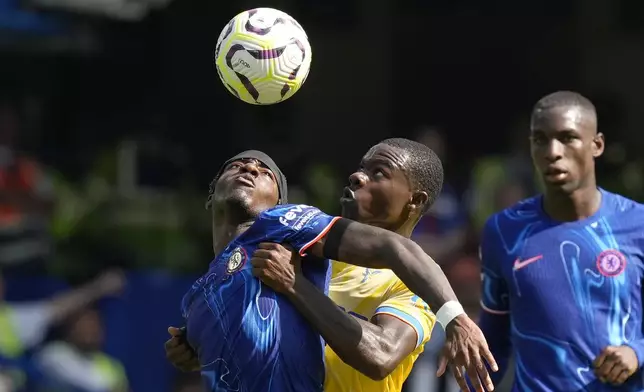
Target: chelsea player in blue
x: 249, y: 338
x: 562, y: 271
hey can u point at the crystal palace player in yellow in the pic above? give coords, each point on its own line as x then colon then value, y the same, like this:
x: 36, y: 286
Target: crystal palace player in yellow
x: 396, y: 183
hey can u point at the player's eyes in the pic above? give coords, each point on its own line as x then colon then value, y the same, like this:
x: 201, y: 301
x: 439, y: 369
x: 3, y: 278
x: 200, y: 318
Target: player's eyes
x: 379, y: 173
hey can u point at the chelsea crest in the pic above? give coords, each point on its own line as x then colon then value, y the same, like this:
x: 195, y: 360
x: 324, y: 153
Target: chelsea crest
x: 236, y: 260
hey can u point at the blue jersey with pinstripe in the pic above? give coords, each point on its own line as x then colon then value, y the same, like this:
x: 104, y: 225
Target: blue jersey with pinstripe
x: 249, y: 338
x: 570, y: 289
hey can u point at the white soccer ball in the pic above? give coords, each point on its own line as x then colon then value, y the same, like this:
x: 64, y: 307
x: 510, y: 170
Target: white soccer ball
x: 263, y: 56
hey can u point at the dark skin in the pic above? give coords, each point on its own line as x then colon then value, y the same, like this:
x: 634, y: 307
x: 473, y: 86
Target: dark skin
x: 564, y: 144
x: 382, y: 195
x: 244, y: 189
x: 372, y: 247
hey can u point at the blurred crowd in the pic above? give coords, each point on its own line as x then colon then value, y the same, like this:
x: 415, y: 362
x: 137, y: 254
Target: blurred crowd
x: 65, y: 240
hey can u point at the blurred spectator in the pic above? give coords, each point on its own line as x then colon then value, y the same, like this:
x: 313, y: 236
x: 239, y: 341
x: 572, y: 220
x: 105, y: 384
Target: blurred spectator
x: 77, y: 364
x: 492, y: 172
x: 25, y: 325
x: 441, y: 232
x: 25, y: 200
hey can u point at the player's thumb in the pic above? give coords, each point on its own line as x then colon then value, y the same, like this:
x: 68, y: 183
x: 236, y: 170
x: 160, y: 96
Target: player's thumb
x: 173, y: 331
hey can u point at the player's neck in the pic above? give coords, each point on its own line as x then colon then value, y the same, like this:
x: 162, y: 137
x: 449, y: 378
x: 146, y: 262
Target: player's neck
x: 406, y: 228
x: 225, y: 233
x: 574, y: 206
x: 228, y: 224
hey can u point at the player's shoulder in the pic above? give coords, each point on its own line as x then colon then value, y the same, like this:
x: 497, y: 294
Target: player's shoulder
x: 519, y: 214
x: 293, y: 216
x: 622, y: 205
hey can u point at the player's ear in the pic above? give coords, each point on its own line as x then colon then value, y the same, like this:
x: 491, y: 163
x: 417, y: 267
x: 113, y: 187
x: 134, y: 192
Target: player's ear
x: 418, y: 201
x: 598, y: 145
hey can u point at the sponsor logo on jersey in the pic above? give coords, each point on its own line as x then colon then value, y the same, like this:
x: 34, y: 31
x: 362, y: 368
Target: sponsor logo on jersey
x: 298, y: 216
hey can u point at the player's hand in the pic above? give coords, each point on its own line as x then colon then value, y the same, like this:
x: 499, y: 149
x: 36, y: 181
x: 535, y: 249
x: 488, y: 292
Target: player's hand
x: 276, y: 266
x: 179, y: 352
x: 466, y: 352
x: 615, y: 364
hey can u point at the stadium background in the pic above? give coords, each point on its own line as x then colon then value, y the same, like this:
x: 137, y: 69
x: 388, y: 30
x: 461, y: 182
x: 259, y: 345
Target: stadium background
x: 118, y: 103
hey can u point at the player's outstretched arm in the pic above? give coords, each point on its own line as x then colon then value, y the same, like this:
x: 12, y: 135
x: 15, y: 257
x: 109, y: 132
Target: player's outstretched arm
x: 373, y: 348
x: 372, y: 247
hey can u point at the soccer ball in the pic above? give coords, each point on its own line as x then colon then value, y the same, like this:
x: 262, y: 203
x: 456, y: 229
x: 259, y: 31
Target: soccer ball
x: 263, y: 56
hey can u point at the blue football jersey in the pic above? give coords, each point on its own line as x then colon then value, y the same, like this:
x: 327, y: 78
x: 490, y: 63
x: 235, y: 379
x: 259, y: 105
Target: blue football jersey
x: 249, y: 338
x: 567, y: 290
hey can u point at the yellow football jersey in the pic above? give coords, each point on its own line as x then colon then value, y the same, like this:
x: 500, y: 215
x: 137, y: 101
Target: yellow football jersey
x: 363, y: 293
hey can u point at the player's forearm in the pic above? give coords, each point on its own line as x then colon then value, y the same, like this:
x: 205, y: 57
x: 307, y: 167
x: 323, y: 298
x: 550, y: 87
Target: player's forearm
x: 496, y: 329
x: 358, y: 343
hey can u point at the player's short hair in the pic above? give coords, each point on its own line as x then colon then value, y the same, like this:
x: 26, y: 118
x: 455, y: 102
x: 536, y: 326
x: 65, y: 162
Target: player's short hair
x: 562, y: 99
x: 424, y: 167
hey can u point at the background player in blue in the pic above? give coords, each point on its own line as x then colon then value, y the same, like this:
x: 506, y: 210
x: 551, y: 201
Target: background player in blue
x: 250, y: 339
x: 562, y: 271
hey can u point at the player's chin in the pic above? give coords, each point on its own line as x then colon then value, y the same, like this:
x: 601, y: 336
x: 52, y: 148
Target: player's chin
x: 565, y: 185
x: 351, y: 209
x: 240, y: 195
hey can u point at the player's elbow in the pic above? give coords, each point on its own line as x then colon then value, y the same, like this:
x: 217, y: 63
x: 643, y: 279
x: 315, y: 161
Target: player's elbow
x: 379, y: 372
x: 382, y: 360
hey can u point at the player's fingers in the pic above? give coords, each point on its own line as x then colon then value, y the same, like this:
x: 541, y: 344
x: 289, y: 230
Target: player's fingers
x: 179, y: 356
x: 622, y: 377
x: 262, y: 254
x: 472, y: 374
x: 614, y: 373
x: 442, y: 365
x: 460, y: 379
x: 489, y: 358
x: 170, y: 343
x: 174, y: 331
x: 258, y: 262
x: 268, y: 245
x: 258, y: 272
x: 484, y: 375
x: 604, y: 370
x: 599, y: 361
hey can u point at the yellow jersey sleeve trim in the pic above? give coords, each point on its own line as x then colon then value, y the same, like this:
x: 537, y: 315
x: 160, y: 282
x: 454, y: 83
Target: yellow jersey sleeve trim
x: 407, y: 319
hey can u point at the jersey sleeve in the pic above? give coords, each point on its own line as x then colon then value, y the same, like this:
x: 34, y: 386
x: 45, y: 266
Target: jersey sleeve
x: 409, y: 308
x: 301, y: 226
x: 494, y: 296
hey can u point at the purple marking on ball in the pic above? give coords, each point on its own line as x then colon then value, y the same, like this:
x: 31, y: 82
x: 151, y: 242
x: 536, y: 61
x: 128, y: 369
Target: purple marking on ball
x: 267, y: 54
x: 285, y: 89
x: 243, y: 79
x: 261, y: 31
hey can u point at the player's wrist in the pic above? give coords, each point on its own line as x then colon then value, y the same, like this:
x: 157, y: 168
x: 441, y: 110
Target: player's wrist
x: 450, y: 311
